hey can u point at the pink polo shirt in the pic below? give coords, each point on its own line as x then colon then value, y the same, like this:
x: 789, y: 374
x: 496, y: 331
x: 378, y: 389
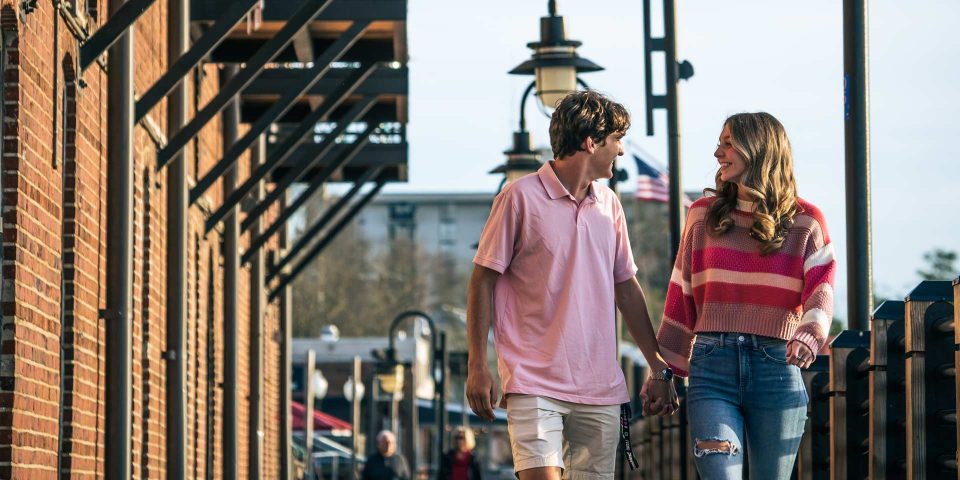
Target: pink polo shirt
x: 554, y: 329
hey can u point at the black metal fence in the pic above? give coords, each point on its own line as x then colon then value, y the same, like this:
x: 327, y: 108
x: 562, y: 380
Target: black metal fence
x: 883, y: 404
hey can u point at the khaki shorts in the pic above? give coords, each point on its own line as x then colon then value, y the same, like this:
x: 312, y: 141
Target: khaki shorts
x: 580, y: 439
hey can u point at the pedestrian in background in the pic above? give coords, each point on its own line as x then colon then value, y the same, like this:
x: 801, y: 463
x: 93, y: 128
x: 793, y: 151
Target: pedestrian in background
x: 460, y: 462
x: 386, y: 463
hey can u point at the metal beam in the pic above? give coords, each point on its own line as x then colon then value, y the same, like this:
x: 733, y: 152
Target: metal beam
x: 308, y: 77
x: 287, y: 211
x: 286, y: 373
x: 178, y: 40
x: 387, y: 109
x: 308, y: 235
x: 674, y: 72
x: 677, y: 212
x: 231, y: 303
x: 175, y: 73
x: 278, y: 10
x: 257, y: 310
x: 381, y: 154
x: 240, y: 50
x: 303, y: 49
x: 352, y: 115
x: 856, y: 127
x: 119, y: 305
x: 256, y: 63
x: 277, y: 81
x: 110, y: 32
x: 334, y: 231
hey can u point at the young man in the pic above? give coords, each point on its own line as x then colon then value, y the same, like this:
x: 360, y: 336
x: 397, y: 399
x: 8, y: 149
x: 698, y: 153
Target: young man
x: 553, y: 261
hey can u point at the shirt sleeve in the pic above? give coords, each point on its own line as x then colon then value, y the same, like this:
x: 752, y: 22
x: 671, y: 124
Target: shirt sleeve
x: 675, y: 335
x: 500, y: 234
x: 819, y: 268
x: 624, y: 267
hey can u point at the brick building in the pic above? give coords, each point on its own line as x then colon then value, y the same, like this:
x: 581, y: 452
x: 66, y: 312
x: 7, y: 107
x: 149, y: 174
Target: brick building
x: 60, y: 217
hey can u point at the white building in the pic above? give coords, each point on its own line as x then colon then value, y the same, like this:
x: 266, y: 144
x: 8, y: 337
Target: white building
x: 440, y: 223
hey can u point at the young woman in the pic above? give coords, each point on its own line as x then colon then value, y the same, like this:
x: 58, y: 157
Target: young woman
x: 460, y: 462
x: 749, y: 304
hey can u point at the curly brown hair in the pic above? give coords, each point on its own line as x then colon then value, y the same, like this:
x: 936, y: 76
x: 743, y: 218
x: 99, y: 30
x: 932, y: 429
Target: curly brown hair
x: 585, y: 114
x: 767, y: 180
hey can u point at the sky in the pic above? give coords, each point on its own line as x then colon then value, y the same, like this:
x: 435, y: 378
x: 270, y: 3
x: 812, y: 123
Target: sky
x: 782, y: 57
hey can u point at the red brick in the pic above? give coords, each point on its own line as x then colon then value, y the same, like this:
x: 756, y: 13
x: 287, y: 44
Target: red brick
x: 54, y: 241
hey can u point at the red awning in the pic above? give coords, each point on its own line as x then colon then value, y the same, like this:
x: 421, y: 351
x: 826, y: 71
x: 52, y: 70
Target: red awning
x: 321, y: 421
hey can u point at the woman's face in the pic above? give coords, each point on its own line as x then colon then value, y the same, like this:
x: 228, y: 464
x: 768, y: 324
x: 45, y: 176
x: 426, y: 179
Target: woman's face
x: 732, y: 164
x: 460, y: 441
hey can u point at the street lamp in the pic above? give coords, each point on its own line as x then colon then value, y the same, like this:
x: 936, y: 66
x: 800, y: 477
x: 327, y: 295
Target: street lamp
x: 391, y: 379
x: 554, y: 63
x: 348, y: 388
x: 319, y: 385
x: 438, y: 369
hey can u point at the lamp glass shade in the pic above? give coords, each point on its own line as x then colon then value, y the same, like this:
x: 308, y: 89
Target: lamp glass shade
x: 319, y: 384
x: 391, y: 381
x: 348, y: 389
x: 514, y: 175
x: 554, y: 83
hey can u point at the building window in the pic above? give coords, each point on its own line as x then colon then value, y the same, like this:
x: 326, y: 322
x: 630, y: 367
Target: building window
x: 403, y: 224
x: 448, y: 227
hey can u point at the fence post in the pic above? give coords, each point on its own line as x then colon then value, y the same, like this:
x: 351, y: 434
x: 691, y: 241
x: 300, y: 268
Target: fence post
x: 887, y: 394
x: 849, y: 404
x: 813, y: 461
x: 931, y: 387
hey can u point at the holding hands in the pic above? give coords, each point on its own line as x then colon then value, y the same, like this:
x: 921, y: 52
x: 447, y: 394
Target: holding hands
x: 659, y: 397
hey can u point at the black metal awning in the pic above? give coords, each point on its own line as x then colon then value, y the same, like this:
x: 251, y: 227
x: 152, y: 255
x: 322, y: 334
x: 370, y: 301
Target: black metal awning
x: 326, y: 82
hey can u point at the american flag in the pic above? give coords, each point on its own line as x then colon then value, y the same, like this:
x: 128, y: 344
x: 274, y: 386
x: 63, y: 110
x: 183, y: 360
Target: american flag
x: 652, y: 184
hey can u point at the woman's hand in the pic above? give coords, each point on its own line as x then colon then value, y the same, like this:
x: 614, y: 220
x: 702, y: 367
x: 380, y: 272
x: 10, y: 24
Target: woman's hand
x: 799, y: 354
x: 659, y: 397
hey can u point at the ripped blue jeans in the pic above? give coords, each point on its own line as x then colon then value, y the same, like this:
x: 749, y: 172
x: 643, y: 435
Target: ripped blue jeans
x: 744, y: 400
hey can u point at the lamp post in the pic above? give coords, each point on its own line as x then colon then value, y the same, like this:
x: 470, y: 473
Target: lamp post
x: 437, y: 371
x: 554, y: 65
x: 353, y: 391
x: 391, y: 382
x: 674, y: 71
x: 308, y: 394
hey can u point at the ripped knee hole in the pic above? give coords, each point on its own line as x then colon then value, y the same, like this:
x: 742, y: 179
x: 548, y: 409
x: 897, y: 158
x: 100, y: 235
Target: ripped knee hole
x: 713, y: 446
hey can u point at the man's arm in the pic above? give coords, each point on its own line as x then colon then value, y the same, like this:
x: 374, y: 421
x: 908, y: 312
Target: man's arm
x: 633, y: 306
x: 481, y: 392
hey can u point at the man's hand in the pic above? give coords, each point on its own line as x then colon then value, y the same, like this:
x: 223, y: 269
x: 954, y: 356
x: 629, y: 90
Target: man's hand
x: 799, y: 354
x: 481, y: 392
x: 659, y: 397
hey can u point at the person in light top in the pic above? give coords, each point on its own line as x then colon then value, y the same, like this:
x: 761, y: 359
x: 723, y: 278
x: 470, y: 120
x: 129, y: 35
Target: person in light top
x: 553, y: 264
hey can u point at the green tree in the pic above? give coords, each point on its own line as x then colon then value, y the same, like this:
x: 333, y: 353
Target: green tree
x: 360, y: 288
x: 941, y: 265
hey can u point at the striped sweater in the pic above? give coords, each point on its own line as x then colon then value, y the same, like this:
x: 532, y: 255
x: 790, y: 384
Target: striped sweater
x: 723, y: 284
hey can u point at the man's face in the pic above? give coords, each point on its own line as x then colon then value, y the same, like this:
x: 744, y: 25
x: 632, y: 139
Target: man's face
x: 601, y: 162
x: 387, y: 445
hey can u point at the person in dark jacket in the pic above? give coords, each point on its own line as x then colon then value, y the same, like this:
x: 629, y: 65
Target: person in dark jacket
x: 461, y: 463
x: 386, y: 464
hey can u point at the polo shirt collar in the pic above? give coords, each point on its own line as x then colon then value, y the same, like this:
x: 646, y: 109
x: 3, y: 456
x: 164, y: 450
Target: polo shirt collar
x: 552, y: 184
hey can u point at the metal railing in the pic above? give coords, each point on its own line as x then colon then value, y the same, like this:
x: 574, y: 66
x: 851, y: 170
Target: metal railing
x: 882, y: 404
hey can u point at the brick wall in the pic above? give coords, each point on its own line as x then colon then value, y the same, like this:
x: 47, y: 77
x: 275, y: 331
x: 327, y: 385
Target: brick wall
x: 52, y: 341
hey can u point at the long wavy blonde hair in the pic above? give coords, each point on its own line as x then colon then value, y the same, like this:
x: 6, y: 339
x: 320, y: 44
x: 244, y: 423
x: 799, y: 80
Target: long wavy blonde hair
x: 768, y: 180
